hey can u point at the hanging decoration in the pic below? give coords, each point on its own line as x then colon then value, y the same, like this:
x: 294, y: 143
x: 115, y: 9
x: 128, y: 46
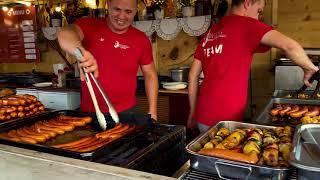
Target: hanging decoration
x: 168, y: 29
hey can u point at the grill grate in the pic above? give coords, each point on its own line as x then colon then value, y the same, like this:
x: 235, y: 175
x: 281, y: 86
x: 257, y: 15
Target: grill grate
x: 198, y: 175
x: 192, y: 174
x: 141, y: 151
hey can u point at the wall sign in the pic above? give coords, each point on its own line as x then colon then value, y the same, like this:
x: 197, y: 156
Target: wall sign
x: 18, y: 35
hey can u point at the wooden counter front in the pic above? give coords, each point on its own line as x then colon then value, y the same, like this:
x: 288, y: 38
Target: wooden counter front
x: 173, y: 106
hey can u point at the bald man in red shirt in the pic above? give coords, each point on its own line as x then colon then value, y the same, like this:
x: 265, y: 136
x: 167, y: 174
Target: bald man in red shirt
x: 113, y: 50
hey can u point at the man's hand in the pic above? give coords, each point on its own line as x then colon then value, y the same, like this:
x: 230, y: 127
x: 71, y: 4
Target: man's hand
x: 154, y: 117
x: 89, y: 63
x: 307, y: 76
x: 191, y: 123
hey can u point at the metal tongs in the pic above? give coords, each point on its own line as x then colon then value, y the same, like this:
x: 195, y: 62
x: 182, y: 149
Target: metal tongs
x: 314, y: 77
x: 100, y: 116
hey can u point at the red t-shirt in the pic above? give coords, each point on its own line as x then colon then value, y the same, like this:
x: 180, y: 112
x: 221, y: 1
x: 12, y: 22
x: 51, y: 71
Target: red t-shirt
x: 119, y: 57
x: 226, y: 53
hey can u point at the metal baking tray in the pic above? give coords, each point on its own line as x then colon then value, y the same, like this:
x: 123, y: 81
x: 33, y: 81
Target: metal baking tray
x: 303, y: 157
x: 265, y: 117
x: 227, y: 169
x: 77, y: 133
x: 284, y: 93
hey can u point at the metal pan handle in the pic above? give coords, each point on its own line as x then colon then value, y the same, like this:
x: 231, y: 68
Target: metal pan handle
x: 217, y: 163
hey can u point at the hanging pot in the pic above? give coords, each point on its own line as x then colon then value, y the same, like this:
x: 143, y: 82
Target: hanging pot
x: 180, y: 74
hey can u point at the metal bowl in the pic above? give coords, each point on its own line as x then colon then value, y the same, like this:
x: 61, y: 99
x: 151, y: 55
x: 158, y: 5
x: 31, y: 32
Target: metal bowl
x: 180, y: 74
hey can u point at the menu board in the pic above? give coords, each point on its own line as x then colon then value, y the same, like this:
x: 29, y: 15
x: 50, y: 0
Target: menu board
x: 18, y: 35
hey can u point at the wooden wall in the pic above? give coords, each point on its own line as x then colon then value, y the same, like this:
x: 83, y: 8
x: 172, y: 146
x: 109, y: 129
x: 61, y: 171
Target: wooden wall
x: 48, y: 58
x: 300, y: 19
x: 296, y: 18
x: 175, y: 53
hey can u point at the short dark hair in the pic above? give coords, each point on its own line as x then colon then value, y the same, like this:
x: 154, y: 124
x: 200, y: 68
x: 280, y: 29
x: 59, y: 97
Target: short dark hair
x: 236, y: 3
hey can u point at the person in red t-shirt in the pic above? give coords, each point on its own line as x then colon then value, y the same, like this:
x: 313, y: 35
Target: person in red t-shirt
x: 113, y: 50
x: 225, y: 55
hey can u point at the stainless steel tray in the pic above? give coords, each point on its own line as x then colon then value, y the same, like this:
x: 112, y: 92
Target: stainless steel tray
x: 284, y: 93
x: 300, y: 156
x: 265, y: 117
x: 227, y: 169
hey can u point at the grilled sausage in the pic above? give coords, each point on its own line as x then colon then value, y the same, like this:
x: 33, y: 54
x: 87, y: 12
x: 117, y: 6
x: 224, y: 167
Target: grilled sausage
x: 3, y: 110
x: 99, y: 143
x: 6, y: 137
x: 41, y: 108
x: 36, y: 128
x: 105, y: 134
x: 2, y: 117
x: 31, y: 106
x: 21, y: 114
x: 32, y: 97
x: 86, y: 143
x: 64, y: 126
x: 275, y: 111
x: 8, y: 117
x: 231, y: 155
x: 74, y: 122
x: 294, y: 108
x: 13, y: 134
x: 14, y: 114
x: 87, y: 119
x: 39, y: 138
x: 30, y: 131
x: 28, y: 140
x: 285, y: 110
x: 12, y: 101
x: 20, y: 108
x: 46, y: 127
x: 313, y: 111
x: 299, y: 113
x: 73, y: 143
x: 115, y: 135
x: 26, y: 108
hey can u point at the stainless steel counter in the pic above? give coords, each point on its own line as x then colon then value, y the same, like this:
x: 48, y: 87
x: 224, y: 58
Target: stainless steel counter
x: 17, y: 163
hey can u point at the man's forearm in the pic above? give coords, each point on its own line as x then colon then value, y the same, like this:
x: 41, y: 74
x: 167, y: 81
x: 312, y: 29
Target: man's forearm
x: 297, y: 54
x: 291, y: 48
x: 192, y: 93
x: 69, y: 39
x: 151, y: 85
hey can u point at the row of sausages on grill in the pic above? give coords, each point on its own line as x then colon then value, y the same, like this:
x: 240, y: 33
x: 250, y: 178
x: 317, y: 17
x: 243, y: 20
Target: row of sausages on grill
x: 42, y: 131
x: 294, y: 110
x: 91, y: 143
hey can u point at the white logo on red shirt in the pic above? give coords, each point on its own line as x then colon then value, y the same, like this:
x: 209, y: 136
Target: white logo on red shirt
x: 121, y: 46
x: 212, y: 37
x: 213, y: 50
